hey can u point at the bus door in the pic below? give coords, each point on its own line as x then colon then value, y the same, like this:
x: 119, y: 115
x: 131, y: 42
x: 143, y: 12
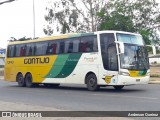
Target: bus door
x: 109, y: 56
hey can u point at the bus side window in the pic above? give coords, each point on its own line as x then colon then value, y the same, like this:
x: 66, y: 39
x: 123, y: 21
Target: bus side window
x: 83, y: 47
x: 76, y: 45
x: 22, y: 50
x: 30, y: 51
x: 108, y: 50
x: 88, y: 44
x: 51, y: 48
x: 68, y: 46
x: 61, y: 49
x: 10, y: 51
x: 35, y: 50
x: 54, y: 47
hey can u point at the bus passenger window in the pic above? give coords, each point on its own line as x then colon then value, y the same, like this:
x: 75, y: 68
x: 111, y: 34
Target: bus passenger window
x: 82, y: 47
x: 34, y: 50
x: 61, y: 50
x: 53, y: 49
x: 76, y: 45
x: 30, y: 51
x: 89, y: 47
x: 89, y: 44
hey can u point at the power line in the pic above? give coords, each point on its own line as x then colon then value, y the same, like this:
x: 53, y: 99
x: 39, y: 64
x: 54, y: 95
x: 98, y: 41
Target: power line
x: 7, y: 1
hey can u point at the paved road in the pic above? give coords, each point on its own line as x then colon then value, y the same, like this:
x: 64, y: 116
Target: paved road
x: 138, y: 97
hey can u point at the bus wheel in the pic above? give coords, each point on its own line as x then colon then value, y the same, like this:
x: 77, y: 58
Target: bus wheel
x: 28, y: 80
x: 20, y: 80
x: 92, y: 82
x: 119, y: 87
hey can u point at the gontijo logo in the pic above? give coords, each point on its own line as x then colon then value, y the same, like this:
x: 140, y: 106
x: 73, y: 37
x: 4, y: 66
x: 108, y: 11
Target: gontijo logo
x: 36, y: 60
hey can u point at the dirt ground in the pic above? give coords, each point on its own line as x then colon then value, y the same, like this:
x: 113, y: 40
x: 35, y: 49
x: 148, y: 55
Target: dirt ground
x: 155, y: 70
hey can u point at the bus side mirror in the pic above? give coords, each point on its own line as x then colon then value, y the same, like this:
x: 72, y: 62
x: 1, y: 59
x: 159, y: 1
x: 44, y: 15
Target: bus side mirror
x: 121, y: 47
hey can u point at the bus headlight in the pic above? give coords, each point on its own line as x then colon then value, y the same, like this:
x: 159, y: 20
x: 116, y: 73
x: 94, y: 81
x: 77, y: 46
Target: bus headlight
x: 124, y: 73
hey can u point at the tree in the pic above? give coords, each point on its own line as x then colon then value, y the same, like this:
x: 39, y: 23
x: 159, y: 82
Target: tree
x: 20, y: 39
x: 140, y: 16
x: 73, y: 15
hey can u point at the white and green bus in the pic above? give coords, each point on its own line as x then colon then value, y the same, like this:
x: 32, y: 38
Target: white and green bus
x: 102, y: 58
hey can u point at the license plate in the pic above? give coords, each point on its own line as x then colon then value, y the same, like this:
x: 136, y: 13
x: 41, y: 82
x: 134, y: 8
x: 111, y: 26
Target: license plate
x: 137, y: 80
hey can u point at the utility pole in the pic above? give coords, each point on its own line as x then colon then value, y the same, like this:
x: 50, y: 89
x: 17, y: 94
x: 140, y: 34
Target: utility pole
x: 33, y: 20
x: 6, y: 1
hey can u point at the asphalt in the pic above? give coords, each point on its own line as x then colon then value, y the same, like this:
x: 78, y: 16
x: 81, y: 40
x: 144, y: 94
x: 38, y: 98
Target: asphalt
x: 153, y: 80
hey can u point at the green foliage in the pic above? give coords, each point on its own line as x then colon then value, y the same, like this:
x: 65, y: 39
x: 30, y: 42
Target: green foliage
x: 141, y: 16
x: 20, y: 39
x: 73, y: 16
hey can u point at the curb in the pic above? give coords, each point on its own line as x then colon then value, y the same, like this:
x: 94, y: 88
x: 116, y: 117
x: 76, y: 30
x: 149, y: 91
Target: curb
x: 154, y: 82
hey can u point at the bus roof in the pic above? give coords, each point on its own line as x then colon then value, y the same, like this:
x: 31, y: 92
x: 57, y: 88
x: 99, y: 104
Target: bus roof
x: 70, y: 35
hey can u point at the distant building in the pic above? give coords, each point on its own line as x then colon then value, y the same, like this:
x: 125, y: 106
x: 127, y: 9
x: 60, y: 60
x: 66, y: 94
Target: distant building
x: 2, y: 57
x: 154, y: 59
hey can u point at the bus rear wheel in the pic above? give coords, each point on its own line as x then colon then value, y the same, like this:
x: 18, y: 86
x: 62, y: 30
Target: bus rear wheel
x: 92, y: 82
x: 118, y: 87
x: 28, y: 80
x: 20, y: 80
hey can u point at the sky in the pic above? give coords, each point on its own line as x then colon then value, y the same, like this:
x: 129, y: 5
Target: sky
x: 16, y: 19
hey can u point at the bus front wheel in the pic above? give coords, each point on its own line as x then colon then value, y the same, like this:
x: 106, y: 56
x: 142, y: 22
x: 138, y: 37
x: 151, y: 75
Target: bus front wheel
x: 20, y: 80
x: 92, y: 82
x: 118, y: 87
x: 28, y: 80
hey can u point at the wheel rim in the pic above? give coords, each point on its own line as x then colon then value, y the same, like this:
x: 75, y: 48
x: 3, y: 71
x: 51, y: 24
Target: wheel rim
x: 20, y: 80
x: 92, y: 82
x: 28, y: 80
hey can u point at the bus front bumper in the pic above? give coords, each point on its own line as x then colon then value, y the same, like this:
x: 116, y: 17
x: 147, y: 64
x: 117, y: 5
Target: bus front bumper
x: 128, y: 80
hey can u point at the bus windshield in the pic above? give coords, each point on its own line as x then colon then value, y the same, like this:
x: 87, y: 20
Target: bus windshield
x: 135, y: 55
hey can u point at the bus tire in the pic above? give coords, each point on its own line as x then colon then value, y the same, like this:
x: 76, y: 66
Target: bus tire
x: 118, y: 87
x: 20, y: 80
x: 28, y: 80
x: 91, y: 81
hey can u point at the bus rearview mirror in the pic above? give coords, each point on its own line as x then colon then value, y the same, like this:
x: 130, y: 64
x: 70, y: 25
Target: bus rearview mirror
x: 121, y: 47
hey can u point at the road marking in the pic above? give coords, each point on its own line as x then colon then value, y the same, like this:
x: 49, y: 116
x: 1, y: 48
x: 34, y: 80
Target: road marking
x: 150, y: 98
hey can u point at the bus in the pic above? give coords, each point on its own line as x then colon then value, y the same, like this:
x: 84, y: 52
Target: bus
x: 98, y: 59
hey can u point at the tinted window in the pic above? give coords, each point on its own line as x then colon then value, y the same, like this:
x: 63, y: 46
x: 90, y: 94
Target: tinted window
x: 52, y: 47
x: 40, y: 48
x: 88, y: 44
x: 68, y: 46
x: 10, y: 51
x: 61, y: 48
x: 30, y: 49
x: 108, y: 50
x: 21, y: 50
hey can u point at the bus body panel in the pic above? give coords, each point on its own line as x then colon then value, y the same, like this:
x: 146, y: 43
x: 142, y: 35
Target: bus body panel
x: 69, y: 67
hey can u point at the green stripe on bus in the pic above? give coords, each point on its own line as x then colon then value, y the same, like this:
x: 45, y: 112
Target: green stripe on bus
x: 69, y: 65
x: 142, y: 73
x: 57, y: 66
